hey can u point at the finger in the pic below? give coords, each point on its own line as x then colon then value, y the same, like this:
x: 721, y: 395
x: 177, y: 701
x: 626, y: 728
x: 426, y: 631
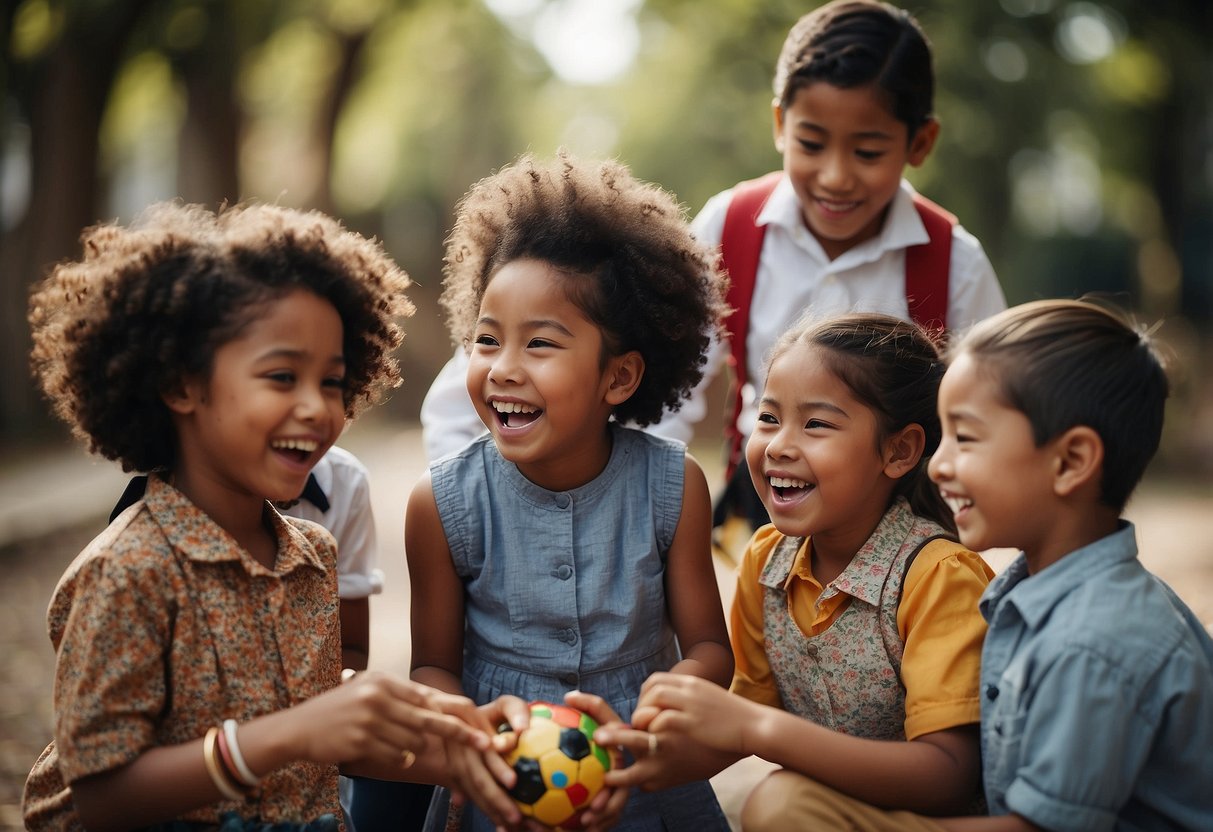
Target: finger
x: 502, y: 771
x: 592, y: 704
x: 643, y: 716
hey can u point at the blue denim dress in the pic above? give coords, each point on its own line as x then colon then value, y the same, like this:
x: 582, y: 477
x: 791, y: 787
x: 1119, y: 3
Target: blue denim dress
x: 565, y: 591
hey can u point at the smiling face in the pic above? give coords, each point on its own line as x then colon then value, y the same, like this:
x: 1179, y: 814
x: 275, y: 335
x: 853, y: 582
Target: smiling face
x: 270, y: 408
x: 816, y: 456
x: 539, y: 378
x: 988, y: 466
x: 844, y: 152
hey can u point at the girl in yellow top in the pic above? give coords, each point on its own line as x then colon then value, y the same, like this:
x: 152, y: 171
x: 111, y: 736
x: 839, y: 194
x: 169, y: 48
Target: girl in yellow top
x: 855, y: 625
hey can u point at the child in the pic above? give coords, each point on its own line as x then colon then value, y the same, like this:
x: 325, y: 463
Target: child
x: 855, y: 624
x: 1097, y: 710
x: 197, y: 643
x: 564, y: 550
x: 837, y: 230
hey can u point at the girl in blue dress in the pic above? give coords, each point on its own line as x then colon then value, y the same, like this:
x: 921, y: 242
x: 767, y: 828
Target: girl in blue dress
x: 565, y: 550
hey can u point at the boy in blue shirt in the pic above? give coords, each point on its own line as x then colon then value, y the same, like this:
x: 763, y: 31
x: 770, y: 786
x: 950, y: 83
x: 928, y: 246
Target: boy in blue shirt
x: 1097, y: 681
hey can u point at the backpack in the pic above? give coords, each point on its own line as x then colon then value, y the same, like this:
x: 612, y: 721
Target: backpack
x: 926, y: 285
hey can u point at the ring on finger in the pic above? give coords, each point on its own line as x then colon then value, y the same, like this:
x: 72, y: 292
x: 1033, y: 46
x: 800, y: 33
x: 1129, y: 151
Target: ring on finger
x: 409, y: 756
x: 653, y: 744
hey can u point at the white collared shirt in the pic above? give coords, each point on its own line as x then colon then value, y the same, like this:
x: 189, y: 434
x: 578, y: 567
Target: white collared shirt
x: 794, y: 274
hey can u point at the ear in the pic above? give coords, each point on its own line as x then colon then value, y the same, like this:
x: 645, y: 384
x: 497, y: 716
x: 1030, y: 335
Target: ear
x: 903, y: 450
x: 1077, y: 461
x: 184, y: 398
x: 777, y: 126
x: 623, y: 375
x: 923, y: 142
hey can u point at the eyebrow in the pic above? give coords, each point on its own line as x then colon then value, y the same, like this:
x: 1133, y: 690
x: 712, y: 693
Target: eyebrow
x: 287, y: 352
x: 538, y: 323
x: 809, y: 406
x: 866, y: 134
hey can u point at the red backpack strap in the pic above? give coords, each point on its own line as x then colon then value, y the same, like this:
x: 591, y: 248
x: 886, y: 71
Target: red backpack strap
x: 928, y: 267
x: 740, y: 247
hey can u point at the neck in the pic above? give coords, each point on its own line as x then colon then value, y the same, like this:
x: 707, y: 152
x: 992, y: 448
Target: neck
x: 1071, y: 532
x: 573, y: 469
x: 241, y: 516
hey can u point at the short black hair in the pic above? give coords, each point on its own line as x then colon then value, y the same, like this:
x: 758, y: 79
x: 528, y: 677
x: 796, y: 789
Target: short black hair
x: 853, y: 43
x: 1065, y: 363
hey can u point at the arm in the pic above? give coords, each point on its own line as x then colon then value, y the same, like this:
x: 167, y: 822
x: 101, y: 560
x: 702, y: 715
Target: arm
x: 355, y: 616
x: 692, y: 595
x: 916, y: 775
x: 437, y: 594
x: 376, y: 718
x: 448, y: 419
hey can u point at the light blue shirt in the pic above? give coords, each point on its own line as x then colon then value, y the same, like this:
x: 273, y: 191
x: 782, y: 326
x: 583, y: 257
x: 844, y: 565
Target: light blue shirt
x: 1097, y: 696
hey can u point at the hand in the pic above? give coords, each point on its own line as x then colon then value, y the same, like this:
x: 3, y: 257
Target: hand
x: 483, y: 775
x: 697, y: 709
x: 379, y: 717
x: 607, y: 806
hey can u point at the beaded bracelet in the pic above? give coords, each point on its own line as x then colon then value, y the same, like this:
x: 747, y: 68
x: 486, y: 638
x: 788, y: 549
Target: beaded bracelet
x: 242, y: 771
x: 215, y: 768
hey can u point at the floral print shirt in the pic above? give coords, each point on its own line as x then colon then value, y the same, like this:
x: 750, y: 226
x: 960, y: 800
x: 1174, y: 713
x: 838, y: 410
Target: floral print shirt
x: 163, y: 627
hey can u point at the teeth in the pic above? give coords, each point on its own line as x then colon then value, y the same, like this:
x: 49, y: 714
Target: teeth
x: 957, y: 504
x: 305, y: 445
x: 513, y: 407
x: 786, y: 482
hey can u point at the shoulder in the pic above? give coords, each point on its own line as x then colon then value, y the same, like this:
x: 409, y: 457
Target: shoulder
x: 708, y: 224
x: 758, y: 550
x: 317, y: 536
x: 947, y: 560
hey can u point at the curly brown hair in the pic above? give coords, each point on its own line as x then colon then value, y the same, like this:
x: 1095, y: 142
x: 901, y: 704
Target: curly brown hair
x: 651, y: 286
x: 148, y: 305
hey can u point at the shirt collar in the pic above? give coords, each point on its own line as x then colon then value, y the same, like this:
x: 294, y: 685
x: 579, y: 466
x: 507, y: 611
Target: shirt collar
x: 902, y: 226
x: 200, y: 539
x: 1035, y: 598
x: 864, y: 577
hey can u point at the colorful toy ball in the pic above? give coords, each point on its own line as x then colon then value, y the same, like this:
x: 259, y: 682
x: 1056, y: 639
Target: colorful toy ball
x: 560, y: 768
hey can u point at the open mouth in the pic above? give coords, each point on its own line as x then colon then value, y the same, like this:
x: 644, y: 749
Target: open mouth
x: 956, y: 504
x: 299, y: 450
x: 835, y: 206
x: 515, y: 414
x: 786, y: 488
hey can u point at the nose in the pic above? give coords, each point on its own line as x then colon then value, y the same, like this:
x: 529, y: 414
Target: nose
x: 939, y: 468
x: 835, y: 171
x: 779, y: 445
x: 311, y: 405
x: 505, y: 367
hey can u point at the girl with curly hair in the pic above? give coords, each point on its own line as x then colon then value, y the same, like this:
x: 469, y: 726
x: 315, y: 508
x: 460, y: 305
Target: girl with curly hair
x: 563, y: 551
x: 197, y: 640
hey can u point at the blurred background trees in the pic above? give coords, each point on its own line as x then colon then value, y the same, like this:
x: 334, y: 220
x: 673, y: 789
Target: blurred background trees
x: 1077, y: 141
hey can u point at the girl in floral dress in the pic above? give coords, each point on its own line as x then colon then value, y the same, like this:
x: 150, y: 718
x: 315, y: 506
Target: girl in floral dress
x: 855, y: 626
x: 198, y: 653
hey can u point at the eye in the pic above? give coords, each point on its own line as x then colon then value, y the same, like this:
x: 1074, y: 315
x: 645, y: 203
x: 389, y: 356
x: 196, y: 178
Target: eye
x: 281, y: 377
x: 486, y: 341
x: 809, y: 145
x: 539, y: 343
x: 815, y: 424
x: 765, y: 418
x: 335, y: 381
x: 869, y: 155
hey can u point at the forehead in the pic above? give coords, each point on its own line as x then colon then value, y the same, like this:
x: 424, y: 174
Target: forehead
x: 803, y: 372
x: 532, y: 290
x: 844, y: 109
x: 972, y: 382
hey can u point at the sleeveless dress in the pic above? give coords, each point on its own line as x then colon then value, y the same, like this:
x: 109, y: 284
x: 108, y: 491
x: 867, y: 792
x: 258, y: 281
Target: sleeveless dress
x: 565, y: 590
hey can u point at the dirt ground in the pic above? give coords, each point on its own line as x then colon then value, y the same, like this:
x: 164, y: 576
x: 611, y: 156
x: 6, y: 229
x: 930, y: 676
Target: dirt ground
x: 1175, y: 523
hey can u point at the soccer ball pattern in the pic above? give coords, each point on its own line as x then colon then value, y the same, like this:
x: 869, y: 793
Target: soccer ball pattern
x: 560, y: 768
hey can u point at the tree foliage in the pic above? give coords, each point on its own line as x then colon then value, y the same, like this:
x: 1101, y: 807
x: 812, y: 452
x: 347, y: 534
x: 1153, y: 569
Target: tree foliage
x: 1076, y: 136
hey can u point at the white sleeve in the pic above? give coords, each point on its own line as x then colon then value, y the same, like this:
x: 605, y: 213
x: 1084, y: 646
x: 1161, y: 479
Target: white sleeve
x: 974, y: 293
x: 707, y: 227
x: 448, y: 419
x: 352, y: 523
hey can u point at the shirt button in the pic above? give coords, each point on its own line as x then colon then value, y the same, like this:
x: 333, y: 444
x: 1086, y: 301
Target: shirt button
x: 991, y: 692
x: 562, y: 501
x: 569, y: 678
x: 563, y: 572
